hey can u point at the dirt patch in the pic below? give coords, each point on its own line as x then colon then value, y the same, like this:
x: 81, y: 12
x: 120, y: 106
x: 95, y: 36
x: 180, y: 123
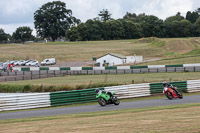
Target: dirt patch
x: 180, y: 45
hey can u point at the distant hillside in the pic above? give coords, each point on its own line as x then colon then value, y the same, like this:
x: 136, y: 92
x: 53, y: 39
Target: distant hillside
x: 84, y: 51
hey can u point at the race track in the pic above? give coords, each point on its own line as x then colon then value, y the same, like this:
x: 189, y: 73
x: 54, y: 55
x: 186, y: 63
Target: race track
x: 97, y: 107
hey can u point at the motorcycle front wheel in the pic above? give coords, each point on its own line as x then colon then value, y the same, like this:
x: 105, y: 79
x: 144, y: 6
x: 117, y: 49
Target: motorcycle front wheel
x: 116, y: 101
x: 102, y: 101
x: 180, y: 95
x: 169, y: 95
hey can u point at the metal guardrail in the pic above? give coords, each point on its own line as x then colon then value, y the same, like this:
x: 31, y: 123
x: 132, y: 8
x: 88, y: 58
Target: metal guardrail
x: 193, y: 85
x: 29, y: 75
x: 24, y: 101
x: 38, y: 100
x: 130, y: 91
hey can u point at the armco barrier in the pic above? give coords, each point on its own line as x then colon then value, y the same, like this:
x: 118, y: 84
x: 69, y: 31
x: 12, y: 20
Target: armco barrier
x: 157, y: 88
x: 104, y: 68
x: 44, y: 72
x: 37, y: 100
x: 193, y: 85
x: 24, y: 101
x: 71, y: 97
x: 130, y: 91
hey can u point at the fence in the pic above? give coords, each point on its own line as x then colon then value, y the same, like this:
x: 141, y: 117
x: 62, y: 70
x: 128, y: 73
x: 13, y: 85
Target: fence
x: 24, y: 101
x: 25, y: 74
x: 193, y: 85
x: 130, y: 91
x: 38, y: 100
x: 71, y: 97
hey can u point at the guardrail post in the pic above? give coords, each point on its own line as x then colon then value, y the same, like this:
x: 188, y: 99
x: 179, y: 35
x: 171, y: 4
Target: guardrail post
x: 31, y: 75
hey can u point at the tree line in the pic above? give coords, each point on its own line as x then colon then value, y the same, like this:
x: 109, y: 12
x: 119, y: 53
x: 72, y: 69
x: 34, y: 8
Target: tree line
x: 53, y: 20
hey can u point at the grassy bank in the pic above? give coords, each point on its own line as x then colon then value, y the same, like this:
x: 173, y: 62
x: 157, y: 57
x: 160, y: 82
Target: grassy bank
x: 174, y: 118
x: 92, y: 81
x: 84, y: 51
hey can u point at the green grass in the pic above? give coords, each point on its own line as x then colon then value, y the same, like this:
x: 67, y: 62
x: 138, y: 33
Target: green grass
x: 194, y: 52
x: 92, y: 81
x: 109, y: 79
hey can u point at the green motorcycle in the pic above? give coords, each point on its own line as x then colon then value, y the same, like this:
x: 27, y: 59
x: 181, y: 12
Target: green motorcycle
x: 104, y: 98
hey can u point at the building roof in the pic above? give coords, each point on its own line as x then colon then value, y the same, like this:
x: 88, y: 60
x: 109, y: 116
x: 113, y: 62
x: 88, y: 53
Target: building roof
x: 116, y: 55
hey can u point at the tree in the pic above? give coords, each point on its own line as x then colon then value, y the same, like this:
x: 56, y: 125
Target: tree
x: 198, y: 11
x: 185, y: 28
x: 192, y: 16
x: 131, y: 30
x: 115, y: 29
x: 53, y: 19
x: 105, y: 15
x: 176, y: 28
x: 129, y: 15
x: 82, y: 31
x: 177, y: 17
x: 94, y: 31
x: 23, y: 34
x: 3, y: 36
x: 197, y: 24
x: 152, y: 26
x: 72, y: 33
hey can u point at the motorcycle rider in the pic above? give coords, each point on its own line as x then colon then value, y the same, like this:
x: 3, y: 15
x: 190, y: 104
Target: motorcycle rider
x: 103, y: 91
x: 168, y: 85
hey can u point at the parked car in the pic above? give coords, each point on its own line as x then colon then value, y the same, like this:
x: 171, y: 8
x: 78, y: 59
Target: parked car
x: 32, y: 63
x: 50, y: 61
x: 27, y: 61
x: 13, y: 62
x: 21, y: 62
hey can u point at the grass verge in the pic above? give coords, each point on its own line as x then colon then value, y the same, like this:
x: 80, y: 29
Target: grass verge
x: 78, y: 82
x: 174, y: 118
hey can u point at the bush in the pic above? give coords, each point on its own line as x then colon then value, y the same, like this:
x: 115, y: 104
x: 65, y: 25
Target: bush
x: 42, y: 88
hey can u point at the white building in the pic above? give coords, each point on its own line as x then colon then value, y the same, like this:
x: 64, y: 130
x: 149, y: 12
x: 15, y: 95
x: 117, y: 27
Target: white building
x: 112, y: 59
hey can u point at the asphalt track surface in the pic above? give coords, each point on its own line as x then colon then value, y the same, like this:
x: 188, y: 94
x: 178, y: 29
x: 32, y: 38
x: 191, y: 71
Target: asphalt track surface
x: 97, y: 107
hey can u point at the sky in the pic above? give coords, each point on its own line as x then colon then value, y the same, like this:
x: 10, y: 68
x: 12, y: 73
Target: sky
x: 18, y: 13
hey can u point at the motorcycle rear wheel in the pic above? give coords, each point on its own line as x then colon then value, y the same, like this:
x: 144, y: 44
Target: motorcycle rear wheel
x: 102, y: 101
x: 169, y: 95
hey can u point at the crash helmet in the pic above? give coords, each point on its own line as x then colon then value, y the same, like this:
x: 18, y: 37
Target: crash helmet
x: 97, y: 90
x: 164, y: 84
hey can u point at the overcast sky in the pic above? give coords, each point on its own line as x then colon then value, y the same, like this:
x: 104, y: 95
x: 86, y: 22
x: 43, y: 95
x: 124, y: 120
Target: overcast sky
x: 17, y: 13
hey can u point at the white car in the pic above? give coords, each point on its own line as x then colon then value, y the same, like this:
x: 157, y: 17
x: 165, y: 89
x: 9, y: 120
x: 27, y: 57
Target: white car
x: 21, y: 62
x: 50, y: 61
x: 14, y: 62
x: 32, y: 63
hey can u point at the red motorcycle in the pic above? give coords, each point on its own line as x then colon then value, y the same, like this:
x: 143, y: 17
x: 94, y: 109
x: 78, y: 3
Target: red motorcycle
x: 171, y: 92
